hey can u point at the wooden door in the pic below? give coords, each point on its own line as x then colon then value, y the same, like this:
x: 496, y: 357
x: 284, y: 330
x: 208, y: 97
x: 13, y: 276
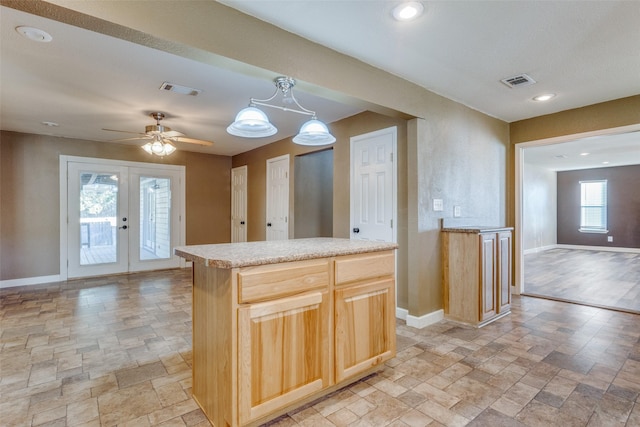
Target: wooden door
x: 278, y: 198
x: 365, y: 327
x: 488, y: 296
x: 504, y: 271
x: 239, y: 204
x: 283, y: 352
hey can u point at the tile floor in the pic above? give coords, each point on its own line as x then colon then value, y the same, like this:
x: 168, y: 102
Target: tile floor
x: 116, y: 351
x: 598, y: 278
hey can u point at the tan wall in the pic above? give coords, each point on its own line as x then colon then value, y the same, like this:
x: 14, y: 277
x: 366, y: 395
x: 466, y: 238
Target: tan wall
x: 606, y: 115
x: 343, y: 130
x: 30, y: 205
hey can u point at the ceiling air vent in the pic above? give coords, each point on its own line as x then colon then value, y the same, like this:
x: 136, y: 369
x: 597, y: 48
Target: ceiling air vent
x: 184, y: 90
x: 517, y: 81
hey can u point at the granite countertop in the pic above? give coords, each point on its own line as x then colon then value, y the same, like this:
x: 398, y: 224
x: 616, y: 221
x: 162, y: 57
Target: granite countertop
x: 475, y: 229
x: 231, y: 255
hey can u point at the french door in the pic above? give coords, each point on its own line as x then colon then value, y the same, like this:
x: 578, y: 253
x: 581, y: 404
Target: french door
x: 121, y: 217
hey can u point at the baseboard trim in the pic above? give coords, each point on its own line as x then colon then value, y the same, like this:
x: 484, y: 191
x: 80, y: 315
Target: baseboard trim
x: 29, y: 281
x: 540, y: 249
x: 422, y: 321
x: 600, y: 248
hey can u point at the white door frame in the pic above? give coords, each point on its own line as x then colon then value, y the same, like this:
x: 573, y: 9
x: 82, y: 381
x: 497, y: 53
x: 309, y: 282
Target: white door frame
x: 63, y: 164
x: 519, y: 182
x: 393, y: 130
x: 234, y: 171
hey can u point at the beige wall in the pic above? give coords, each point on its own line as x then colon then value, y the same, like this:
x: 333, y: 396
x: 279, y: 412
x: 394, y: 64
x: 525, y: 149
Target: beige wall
x: 606, y: 115
x: 30, y: 205
x: 343, y: 130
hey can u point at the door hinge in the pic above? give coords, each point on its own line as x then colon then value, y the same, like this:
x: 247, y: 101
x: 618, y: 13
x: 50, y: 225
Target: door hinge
x: 391, y: 156
x: 391, y: 223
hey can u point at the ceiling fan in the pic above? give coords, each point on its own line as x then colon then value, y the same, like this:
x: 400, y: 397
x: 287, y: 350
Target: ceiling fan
x: 161, y: 137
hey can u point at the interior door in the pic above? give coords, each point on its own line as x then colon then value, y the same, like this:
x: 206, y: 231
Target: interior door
x: 98, y: 223
x: 373, y: 186
x: 278, y: 198
x: 239, y: 204
x: 121, y: 218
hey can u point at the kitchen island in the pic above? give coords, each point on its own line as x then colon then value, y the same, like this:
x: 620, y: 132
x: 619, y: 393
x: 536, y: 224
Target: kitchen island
x: 278, y: 324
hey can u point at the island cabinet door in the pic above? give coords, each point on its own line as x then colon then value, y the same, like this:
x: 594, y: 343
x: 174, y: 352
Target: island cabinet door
x: 283, y: 352
x: 365, y: 327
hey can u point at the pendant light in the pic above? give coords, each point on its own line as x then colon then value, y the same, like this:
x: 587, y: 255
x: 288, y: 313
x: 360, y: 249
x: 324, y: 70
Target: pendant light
x: 251, y: 122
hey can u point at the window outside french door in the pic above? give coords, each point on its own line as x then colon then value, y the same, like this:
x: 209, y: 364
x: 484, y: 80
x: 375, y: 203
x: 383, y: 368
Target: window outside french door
x: 121, y: 218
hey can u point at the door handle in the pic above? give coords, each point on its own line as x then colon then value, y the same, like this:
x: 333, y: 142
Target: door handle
x: 356, y: 230
x: 124, y: 227
x: 268, y: 224
x: 241, y: 222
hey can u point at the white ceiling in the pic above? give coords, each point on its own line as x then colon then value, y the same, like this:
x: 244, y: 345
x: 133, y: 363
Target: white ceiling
x: 586, y: 52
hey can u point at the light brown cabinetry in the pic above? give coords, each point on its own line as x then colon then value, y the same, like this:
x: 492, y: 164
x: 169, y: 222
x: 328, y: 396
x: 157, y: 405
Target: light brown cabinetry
x: 269, y: 338
x: 364, y: 313
x: 477, y: 274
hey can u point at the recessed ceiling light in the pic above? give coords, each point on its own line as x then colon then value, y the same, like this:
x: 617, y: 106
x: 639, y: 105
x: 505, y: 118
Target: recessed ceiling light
x: 605, y: 163
x: 408, y: 11
x: 51, y: 124
x: 544, y: 97
x: 34, y: 34
x: 584, y: 154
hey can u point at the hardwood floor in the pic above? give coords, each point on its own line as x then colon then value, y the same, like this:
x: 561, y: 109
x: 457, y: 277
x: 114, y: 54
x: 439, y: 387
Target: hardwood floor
x: 117, y: 351
x: 597, y: 278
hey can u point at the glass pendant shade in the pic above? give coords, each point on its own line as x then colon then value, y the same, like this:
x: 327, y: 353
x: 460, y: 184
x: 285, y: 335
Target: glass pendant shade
x: 251, y: 123
x: 314, y: 132
x: 159, y: 148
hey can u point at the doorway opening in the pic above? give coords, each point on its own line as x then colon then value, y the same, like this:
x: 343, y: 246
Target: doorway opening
x: 313, y: 194
x: 555, y: 257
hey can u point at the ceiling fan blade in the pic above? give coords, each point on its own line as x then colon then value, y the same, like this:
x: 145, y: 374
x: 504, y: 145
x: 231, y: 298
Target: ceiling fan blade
x: 193, y: 141
x: 172, y: 134
x: 124, y: 131
x: 135, y: 138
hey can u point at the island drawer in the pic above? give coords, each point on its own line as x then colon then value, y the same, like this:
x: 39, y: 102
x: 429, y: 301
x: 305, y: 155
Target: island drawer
x: 265, y: 282
x: 362, y: 267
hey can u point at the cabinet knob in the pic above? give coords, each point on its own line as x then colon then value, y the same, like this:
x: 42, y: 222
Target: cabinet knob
x: 268, y: 224
x: 356, y: 230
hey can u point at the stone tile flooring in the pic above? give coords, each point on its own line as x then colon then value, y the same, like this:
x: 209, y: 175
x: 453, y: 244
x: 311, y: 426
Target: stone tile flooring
x: 597, y: 278
x: 116, y: 351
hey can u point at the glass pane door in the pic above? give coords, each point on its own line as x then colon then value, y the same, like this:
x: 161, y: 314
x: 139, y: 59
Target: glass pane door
x: 157, y: 220
x: 97, y: 229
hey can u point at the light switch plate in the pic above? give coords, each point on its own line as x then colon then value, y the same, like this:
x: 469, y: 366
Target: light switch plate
x: 438, y: 205
x: 609, y: 238
x: 457, y: 211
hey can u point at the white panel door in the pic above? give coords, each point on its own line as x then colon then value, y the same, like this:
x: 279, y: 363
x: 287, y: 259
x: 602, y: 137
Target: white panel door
x: 373, y: 186
x: 278, y: 198
x: 239, y: 204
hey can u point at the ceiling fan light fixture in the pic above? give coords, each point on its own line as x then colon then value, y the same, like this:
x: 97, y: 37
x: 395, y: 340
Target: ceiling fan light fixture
x: 159, y: 147
x: 251, y: 122
x: 314, y: 132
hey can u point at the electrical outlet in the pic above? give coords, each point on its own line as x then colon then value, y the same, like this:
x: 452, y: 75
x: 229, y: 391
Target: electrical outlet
x: 609, y: 238
x: 438, y: 205
x: 457, y: 211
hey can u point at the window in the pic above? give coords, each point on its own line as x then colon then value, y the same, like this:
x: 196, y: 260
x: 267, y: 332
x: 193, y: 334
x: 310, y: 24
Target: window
x: 593, y: 206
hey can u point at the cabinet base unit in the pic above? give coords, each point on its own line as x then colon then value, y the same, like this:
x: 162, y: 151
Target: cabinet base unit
x: 477, y: 274
x: 273, y: 331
